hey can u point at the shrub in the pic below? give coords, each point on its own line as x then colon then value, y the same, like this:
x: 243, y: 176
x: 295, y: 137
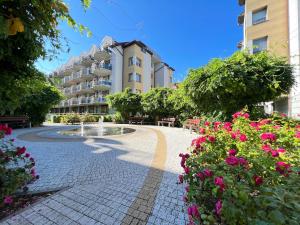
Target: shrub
x: 16, y: 167
x: 108, y: 118
x: 89, y: 118
x: 57, y: 119
x: 117, y: 118
x: 244, y: 172
x: 70, y: 118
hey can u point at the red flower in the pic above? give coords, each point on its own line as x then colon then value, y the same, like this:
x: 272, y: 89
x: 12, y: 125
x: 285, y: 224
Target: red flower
x: 232, y: 160
x: 243, y: 138
x: 297, y: 135
x: 241, y: 114
x: 180, y: 178
x: 27, y: 155
x: 275, y: 153
x: 281, y: 150
x: 232, y: 152
x: 8, y: 200
x: 186, y: 170
x: 243, y: 161
x: 227, y: 126
x: 220, y: 182
x: 201, y: 176
x: 193, y: 211
x: 216, y: 125
x: 268, y: 136
x: 206, y: 123
x: 218, y: 207
x: 282, y: 167
x: 258, y: 180
x: 202, y: 130
x: 233, y: 135
x: 212, y: 139
x: 266, y: 148
x: 208, y: 172
x: 7, y: 130
x: 20, y: 151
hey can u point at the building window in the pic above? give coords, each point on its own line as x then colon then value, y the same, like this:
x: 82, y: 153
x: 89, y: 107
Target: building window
x: 130, y: 61
x: 130, y: 77
x: 138, y: 62
x: 138, y: 78
x: 260, y: 44
x: 259, y: 16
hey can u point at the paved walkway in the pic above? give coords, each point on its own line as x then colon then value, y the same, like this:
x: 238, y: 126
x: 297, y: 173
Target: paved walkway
x: 128, y: 179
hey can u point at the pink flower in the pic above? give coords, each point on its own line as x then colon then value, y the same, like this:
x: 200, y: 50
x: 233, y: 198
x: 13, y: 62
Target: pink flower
x: 266, y: 148
x: 218, y: 207
x: 8, y: 200
x: 7, y: 130
x: 283, y: 115
x: 243, y: 161
x: 27, y: 155
x: 241, y: 114
x: 216, y: 125
x: 232, y: 152
x: 208, y: 172
x: 232, y: 160
x: 180, y: 178
x: 297, y: 135
x: 202, y: 130
x: 275, y: 153
x: 186, y: 170
x: 233, y: 135
x: 20, y: 151
x: 206, y: 123
x: 264, y: 121
x: 187, y: 188
x: 228, y: 126
x: 197, y: 142
x: 243, y: 138
x: 268, y: 136
x: 220, y: 182
x: 258, y: 180
x: 282, y: 167
x: 281, y: 150
x: 201, y: 176
x: 193, y: 211
x: 212, y: 139
x: 254, y: 124
x: 185, y: 199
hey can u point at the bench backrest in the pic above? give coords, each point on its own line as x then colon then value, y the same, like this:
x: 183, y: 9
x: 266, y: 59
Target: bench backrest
x: 13, y: 118
x: 169, y: 119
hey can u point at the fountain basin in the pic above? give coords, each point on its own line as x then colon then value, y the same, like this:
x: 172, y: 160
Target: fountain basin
x: 89, y: 131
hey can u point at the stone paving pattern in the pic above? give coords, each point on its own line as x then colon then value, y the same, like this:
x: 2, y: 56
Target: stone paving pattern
x: 118, y: 180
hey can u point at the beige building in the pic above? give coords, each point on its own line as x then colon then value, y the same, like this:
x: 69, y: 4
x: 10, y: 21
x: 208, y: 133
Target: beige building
x: 109, y: 68
x: 273, y: 25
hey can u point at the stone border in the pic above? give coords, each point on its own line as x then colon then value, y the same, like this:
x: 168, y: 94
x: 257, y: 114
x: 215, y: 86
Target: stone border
x: 142, y: 207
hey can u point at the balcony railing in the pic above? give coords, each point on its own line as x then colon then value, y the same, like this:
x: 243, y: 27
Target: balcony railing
x: 67, y: 91
x: 99, y: 99
x: 104, y: 66
x: 106, y: 83
x: 74, y: 101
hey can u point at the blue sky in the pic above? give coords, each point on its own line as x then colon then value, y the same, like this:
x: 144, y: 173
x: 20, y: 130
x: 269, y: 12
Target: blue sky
x: 187, y: 34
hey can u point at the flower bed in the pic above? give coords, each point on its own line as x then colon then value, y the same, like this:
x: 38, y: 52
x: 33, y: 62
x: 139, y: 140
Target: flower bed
x: 16, y: 168
x: 244, y: 172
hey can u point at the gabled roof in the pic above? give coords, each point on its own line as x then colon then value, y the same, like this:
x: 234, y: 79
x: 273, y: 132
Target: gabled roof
x: 129, y: 43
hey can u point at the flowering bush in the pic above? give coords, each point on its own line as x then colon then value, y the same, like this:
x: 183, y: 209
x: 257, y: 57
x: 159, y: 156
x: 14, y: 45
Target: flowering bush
x: 244, y: 172
x: 16, y: 167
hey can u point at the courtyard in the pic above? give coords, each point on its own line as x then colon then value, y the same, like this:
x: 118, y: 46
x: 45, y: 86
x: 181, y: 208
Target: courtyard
x: 122, y: 179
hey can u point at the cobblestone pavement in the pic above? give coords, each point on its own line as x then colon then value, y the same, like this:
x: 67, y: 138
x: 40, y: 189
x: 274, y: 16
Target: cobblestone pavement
x: 129, y: 179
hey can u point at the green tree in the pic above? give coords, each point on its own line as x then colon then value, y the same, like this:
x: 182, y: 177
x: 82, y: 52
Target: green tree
x: 156, y: 102
x: 40, y: 97
x: 241, y: 80
x: 126, y: 103
x: 25, y: 27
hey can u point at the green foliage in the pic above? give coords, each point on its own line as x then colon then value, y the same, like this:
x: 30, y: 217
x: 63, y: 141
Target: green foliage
x: 57, y: 119
x: 16, y: 167
x: 126, y: 103
x: 108, y: 118
x: 244, y: 172
x: 25, y: 27
x: 40, y: 97
x: 70, y: 118
x: 118, y: 118
x: 241, y: 80
x: 89, y: 118
x: 157, y: 103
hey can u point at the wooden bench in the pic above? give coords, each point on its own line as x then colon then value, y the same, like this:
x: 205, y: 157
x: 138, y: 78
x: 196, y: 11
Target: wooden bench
x: 136, y: 120
x: 15, y: 121
x: 169, y: 121
x: 191, y: 124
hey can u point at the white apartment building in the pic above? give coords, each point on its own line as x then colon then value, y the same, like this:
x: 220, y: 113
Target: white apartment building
x: 273, y: 25
x: 109, y: 68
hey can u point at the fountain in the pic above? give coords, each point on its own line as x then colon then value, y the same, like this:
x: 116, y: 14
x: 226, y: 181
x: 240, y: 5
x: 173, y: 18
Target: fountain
x: 81, y: 125
x: 100, y: 127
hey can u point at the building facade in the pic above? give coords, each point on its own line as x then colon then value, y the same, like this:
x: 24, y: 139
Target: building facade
x: 113, y: 66
x: 273, y: 25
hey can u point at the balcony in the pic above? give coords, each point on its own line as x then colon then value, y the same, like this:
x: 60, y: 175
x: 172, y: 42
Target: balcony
x: 66, y: 79
x: 101, y: 84
x: 241, y: 19
x: 75, y: 88
x: 97, y: 100
x: 102, y: 69
x: 74, y: 101
x: 66, y: 103
x: 87, y: 61
x: 102, y: 54
x: 67, y: 91
x: 84, y: 100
